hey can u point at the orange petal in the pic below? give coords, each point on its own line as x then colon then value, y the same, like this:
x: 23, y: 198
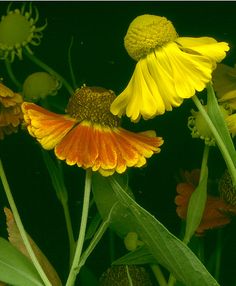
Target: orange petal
x: 105, y: 149
x: 79, y: 146
x: 47, y: 127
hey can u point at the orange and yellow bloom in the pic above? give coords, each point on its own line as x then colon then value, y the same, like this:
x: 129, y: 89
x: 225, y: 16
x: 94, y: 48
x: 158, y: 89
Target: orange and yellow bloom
x: 89, y: 135
x: 10, y: 111
x: 169, y: 68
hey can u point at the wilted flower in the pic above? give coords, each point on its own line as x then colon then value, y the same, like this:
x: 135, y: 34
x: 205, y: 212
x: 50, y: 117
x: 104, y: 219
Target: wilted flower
x: 89, y: 135
x: 10, y: 111
x: 168, y: 70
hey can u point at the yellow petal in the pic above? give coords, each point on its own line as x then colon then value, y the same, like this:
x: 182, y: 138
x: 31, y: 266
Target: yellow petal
x: 206, y: 46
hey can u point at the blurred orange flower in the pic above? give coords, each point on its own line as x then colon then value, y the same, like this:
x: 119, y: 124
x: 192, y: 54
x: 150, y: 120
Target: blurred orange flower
x: 89, y: 135
x: 217, y: 212
x: 10, y: 111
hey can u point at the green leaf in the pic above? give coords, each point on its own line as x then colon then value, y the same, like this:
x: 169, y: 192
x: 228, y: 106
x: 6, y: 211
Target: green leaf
x: 168, y: 250
x: 219, y: 122
x: 217, y: 119
x: 196, y: 208
x: 15, y: 268
x: 141, y: 255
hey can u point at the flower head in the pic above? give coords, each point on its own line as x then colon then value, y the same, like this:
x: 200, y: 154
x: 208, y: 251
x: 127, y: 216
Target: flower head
x: 169, y: 68
x: 39, y: 85
x: 10, y: 111
x: 217, y: 211
x: 18, y: 31
x: 200, y: 129
x: 89, y: 135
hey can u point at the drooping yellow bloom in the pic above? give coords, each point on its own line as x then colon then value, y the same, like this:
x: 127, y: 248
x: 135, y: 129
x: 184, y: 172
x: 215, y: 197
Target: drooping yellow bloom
x: 89, y: 135
x: 10, y: 111
x: 168, y: 70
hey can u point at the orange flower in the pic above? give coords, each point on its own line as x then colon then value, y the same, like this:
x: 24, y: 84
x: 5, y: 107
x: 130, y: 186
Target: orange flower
x: 10, y: 111
x: 89, y: 135
x: 217, y: 212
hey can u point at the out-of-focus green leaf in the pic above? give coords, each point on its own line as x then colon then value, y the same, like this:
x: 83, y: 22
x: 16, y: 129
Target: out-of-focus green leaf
x: 217, y: 119
x: 15, y: 268
x: 128, y: 216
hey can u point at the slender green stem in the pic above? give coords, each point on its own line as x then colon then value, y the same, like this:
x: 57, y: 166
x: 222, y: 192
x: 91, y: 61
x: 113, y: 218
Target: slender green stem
x: 70, y: 64
x: 74, y: 268
x: 218, y: 255
x: 221, y: 145
x: 204, y: 161
x: 96, y: 238
x: 69, y: 229
x: 172, y: 280
x: 21, y: 227
x: 11, y: 75
x: 128, y: 275
x: 48, y: 69
x: 158, y: 274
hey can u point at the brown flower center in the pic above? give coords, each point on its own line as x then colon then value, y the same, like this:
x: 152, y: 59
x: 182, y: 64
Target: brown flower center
x: 93, y: 104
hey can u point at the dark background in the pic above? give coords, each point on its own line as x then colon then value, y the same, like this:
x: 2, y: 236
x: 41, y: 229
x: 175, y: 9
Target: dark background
x: 99, y: 58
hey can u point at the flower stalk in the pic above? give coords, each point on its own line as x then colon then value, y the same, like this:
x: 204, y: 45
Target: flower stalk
x: 74, y: 267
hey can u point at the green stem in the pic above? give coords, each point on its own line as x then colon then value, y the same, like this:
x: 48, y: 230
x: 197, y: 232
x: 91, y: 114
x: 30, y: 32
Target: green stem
x: 228, y: 160
x: 158, y: 275
x: 97, y: 237
x: 74, y: 268
x: 48, y: 69
x: 172, y: 280
x: 21, y: 227
x: 11, y: 75
x: 69, y: 229
x: 218, y: 255
x: 70, y: 64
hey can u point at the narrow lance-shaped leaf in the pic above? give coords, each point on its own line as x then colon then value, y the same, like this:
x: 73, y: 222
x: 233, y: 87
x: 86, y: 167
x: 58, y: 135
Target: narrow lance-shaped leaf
x: 168, y: 250
x: 220, y: 124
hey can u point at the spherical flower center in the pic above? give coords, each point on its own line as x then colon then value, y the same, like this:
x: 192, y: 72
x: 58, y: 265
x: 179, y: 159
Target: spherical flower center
x: 226, y: 189
x: 14, y: 28
x: 146, y: 33
x: 93, y: 104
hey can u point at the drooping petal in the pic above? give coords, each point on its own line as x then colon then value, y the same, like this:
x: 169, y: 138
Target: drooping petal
x: 138, y: 97
x: 206, y: 46
x: 105, y: 149
x: 190, y: 72
x: 47, y: 127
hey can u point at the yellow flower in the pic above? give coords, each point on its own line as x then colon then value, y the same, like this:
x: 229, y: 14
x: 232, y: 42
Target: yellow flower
x: 168, y: 70
x: 200, y: 129
x: 10, y: 111
x: 224, y: 82
x: 17, y: 31
x: 89, y: 135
